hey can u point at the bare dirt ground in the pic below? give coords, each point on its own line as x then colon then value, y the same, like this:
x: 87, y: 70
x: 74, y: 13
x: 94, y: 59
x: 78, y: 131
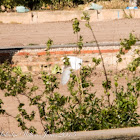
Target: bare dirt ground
x: 9, y: 125
x: 62, y: 33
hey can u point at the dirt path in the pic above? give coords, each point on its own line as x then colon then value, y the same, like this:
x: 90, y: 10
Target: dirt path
x: 62, y: 33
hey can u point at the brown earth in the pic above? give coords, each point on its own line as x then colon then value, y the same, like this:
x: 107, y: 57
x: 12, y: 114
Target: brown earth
x: 9, y: 125
x: 62, y: 33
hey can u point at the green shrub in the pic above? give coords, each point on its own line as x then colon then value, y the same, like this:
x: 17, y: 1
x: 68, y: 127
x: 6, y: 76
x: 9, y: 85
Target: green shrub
x: 82, y: 110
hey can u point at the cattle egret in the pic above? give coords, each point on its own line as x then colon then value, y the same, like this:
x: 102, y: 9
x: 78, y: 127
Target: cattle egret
x: 75, y: 64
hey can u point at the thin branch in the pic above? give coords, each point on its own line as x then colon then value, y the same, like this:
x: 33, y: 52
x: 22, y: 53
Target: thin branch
x: 103, y: 64
x: 99, y: 53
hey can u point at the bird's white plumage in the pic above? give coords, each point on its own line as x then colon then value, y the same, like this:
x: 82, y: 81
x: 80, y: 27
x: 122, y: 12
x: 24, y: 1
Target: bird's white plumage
x: 75, y: 64
x: 65, y: 75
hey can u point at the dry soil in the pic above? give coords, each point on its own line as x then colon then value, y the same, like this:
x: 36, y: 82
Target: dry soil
x: 62, y: 33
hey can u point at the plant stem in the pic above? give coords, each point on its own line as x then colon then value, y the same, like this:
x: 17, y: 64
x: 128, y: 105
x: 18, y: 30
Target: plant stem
x: 103, y: 64
x: 100, y: 54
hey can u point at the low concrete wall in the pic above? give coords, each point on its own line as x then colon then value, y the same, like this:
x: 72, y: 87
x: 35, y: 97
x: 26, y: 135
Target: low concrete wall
x: 57, y: 16
x: 34, y: 58
x: 24, y: 18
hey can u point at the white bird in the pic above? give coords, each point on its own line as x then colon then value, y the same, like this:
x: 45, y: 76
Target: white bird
x: 75, y: 64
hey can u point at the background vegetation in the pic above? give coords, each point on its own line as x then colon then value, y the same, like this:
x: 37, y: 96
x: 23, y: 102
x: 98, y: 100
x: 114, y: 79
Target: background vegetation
x: 60, y: 4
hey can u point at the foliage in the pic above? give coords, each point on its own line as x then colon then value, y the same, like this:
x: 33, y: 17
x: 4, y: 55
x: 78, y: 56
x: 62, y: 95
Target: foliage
x: 81, y: 110
x: 56, y: 69
x: 32, y: 4
x: 61, y: 4
x: 107, y: 83
x: 8, y: 4
x: 14, y: 83
x: 76, y: 30
x: 126, y: 45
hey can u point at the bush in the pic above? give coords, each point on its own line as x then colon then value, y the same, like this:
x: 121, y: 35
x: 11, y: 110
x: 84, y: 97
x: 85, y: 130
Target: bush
x: 82, y: 110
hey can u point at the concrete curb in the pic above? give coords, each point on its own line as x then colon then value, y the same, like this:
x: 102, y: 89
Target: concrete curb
x: 102, y: 44
x: 132, y: 133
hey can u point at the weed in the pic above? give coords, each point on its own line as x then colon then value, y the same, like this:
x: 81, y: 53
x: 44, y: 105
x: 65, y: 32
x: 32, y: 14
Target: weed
x: 125, y: 15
